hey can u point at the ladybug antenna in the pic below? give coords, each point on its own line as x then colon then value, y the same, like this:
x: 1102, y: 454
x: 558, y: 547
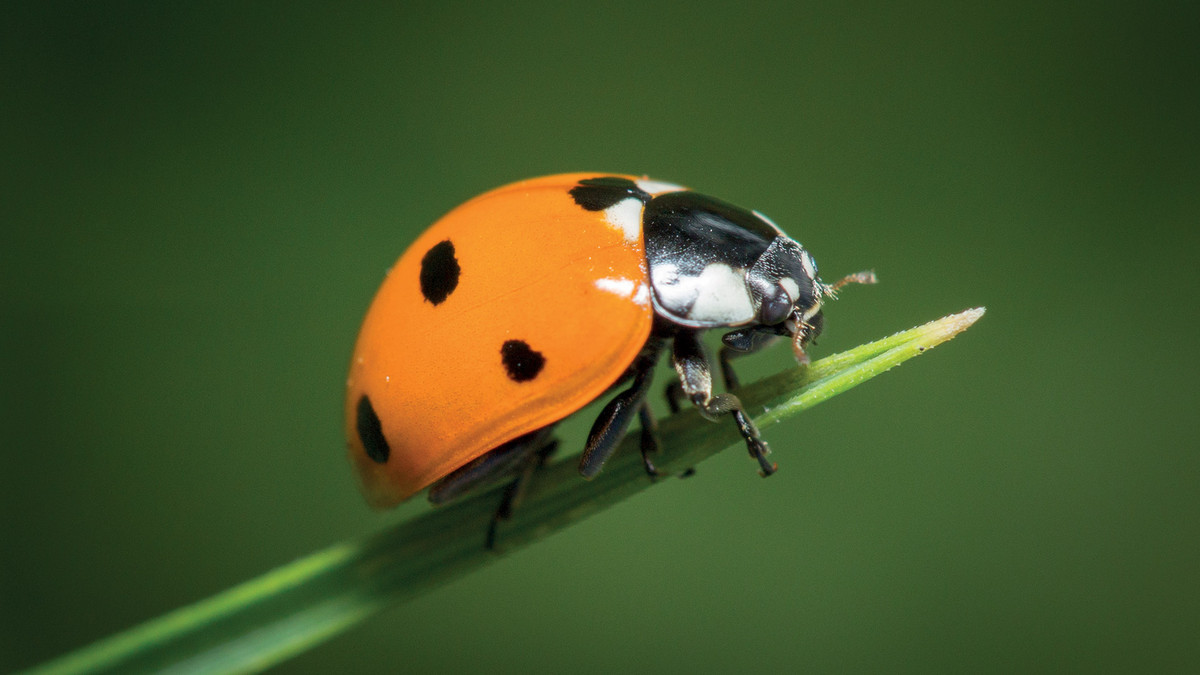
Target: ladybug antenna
x: 864, y: 277
x: 803, y: 328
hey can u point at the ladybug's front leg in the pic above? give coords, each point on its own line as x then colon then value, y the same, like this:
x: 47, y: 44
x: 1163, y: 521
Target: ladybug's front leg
x: 695, y: 377
x: 745, y: 341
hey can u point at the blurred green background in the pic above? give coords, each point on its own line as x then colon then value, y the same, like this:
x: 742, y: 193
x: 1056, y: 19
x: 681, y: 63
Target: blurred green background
x: 199, y: 202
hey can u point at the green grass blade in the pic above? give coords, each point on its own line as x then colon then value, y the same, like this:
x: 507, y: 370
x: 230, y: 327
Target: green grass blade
x: 266, y: 620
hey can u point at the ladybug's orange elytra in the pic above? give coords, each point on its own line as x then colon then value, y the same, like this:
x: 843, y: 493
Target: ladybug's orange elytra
x: 531, y: 308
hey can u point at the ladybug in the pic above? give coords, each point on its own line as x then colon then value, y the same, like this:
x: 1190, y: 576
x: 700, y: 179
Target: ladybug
x: 526, y: 303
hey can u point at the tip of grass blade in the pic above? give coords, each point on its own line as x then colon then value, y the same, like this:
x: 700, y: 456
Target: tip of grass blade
x: 787, y: 393
x: 937, y: 332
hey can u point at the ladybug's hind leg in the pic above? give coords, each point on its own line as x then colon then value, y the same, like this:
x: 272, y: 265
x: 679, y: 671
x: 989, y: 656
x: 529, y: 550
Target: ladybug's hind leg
x: 518, y: 459
x: 695, y: 377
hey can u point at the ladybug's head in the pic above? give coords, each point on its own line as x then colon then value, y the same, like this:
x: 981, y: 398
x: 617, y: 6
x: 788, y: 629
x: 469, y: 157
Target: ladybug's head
x: 788, y: 292
x: 783, y: 283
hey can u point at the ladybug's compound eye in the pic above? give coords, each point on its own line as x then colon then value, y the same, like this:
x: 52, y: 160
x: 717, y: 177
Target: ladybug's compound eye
x: 775, y: 309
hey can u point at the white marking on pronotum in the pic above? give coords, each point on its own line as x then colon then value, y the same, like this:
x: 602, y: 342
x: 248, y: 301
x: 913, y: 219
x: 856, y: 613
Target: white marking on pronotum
x: 718, y: 294
x: 626, y: 215
x: 673, y: 294
x: 722, y: 295
x: 655, y: 187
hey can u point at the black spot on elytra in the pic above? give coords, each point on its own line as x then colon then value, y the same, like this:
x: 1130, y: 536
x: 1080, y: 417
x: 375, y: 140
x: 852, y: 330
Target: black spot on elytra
x: 597, y: 194
x: 370, y: 432
x: 521, y: 362
x: 439, y: 272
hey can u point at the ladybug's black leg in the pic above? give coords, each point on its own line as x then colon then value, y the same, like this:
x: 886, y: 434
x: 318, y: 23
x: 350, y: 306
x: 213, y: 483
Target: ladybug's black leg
x: 695, y: 375
x: 501, y: 462
x: 731, y: 379
x: 674, y: 394
x: 649, y: 438
x: 614, y: 419
x: 745, y: 341
x: 521, y: 457
x: 515, y: 491
x: 650, y: 433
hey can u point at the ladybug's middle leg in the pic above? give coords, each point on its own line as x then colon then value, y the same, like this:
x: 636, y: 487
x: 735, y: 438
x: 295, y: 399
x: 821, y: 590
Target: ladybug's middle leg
x: 612, y: 422
x: 650, y: 437
x: 674, y: 394
x: 695, y: 376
